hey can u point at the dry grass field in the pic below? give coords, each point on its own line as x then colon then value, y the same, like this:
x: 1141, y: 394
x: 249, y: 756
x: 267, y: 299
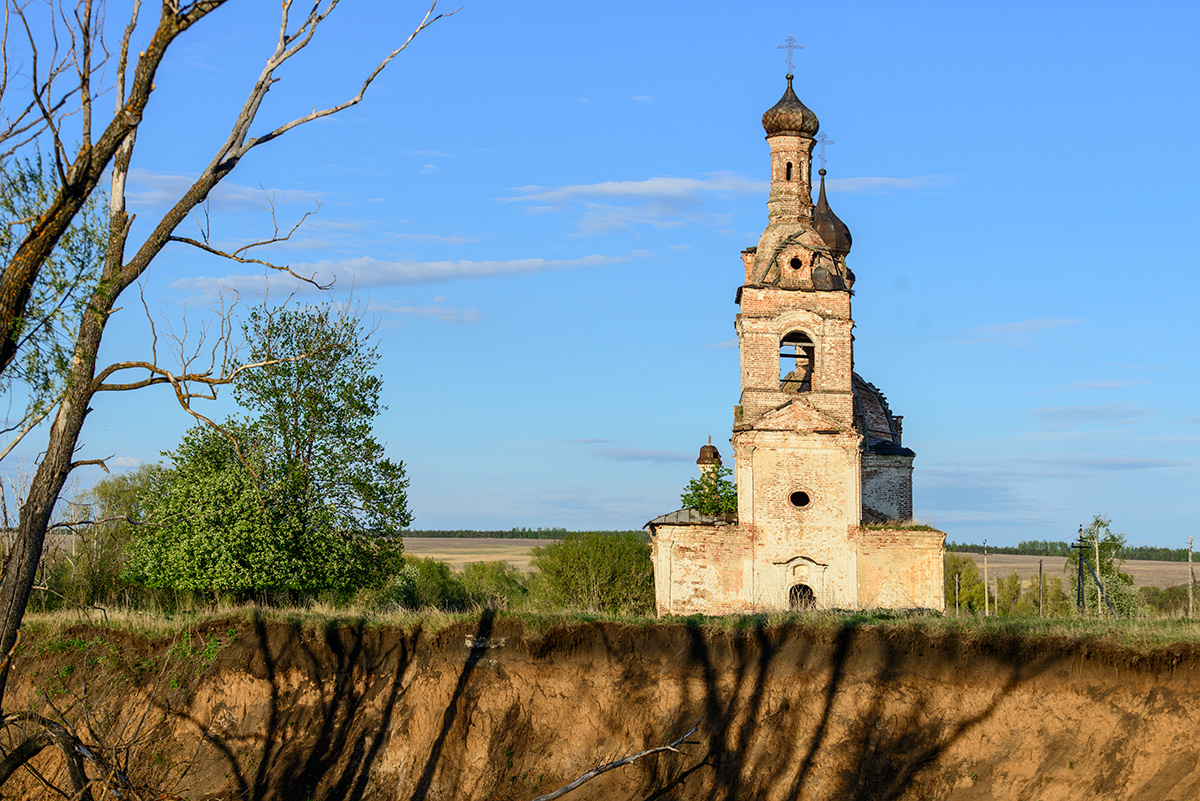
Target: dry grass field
x: 459, y: 551
x: 1145, y: 573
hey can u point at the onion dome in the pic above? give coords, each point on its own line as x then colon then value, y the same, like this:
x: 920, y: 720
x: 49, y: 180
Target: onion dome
x: 790, y: 116
x: 709, y: 454
x: 832, y: 230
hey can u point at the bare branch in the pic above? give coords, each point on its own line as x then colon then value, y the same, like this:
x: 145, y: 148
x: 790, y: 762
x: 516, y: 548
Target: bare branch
x: 629, y: 760
x: 238, y: 255
x: 311, y: 23
x: 86, y: 462
x: 30, y: 425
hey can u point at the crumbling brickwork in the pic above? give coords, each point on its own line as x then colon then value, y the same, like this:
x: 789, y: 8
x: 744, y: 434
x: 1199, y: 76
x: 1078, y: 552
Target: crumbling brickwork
x: 817, y: 451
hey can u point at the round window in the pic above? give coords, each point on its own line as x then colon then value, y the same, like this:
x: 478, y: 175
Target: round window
x: 795, y: 264
x: 799, y: 499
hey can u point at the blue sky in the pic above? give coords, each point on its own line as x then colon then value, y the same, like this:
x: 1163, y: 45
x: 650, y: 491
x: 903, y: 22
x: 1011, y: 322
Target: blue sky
x: 542, y: 206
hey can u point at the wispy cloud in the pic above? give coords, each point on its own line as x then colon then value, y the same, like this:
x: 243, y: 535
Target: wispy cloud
x: 365, y: 272
x: 148, y: 188
x: 428, y: 168
x: 1117, y: 463
x: 124, y: 462
x: 729, y: 343
x: 663, y: 202
x: 447, y: 314
x: 427, y: 153
x: 643, y: 98
x: 667, y: 201
x: 635, y: 455
x: 881, y: 185
x: 1058, y: 418
x: 1014, y: 333
x: 1111, y: 384
x: 668, y: 190
x: 433, y: 239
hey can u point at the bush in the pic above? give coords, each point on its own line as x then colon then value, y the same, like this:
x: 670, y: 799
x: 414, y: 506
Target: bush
x: 496, y: 585
x: 597, y: 573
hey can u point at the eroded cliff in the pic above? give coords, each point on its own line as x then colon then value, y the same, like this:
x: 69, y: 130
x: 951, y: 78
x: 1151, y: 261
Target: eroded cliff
x: 258, y: 710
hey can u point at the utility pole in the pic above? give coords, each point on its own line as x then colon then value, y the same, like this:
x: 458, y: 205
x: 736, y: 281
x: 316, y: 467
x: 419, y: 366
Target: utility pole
x: 1041, y: 591
x: 957, y: 580
x: 987, y: 611
x: 1080, y: 597
x: 1099, y: 574
x: 1191, y: 583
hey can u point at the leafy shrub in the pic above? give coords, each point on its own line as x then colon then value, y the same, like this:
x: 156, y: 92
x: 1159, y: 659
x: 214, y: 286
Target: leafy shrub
x: 596, y: 572
x: 714, y: 493
x: 496, y: 585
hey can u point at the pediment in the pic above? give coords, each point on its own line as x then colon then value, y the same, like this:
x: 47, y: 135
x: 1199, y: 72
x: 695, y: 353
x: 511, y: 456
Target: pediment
x: 798, y: 415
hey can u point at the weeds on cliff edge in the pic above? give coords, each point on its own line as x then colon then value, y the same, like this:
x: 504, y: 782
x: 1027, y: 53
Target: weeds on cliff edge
x: 1140, y: 633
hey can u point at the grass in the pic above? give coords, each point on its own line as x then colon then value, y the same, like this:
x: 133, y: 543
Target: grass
x: 1142, y: 634
x: 901, y: 525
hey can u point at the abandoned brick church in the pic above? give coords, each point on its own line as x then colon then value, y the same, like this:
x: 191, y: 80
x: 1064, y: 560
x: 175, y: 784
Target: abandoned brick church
x: 824, y: 482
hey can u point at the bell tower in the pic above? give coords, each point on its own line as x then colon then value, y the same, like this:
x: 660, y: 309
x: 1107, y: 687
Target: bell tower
x: 795, y: 445
x: 824, y: 485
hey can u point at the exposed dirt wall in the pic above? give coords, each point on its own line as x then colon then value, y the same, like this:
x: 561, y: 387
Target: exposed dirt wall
x: 269, y: 710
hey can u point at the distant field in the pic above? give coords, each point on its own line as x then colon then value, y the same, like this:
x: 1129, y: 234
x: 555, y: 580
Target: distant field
x: 458, y: 552
x: 1145, y: 574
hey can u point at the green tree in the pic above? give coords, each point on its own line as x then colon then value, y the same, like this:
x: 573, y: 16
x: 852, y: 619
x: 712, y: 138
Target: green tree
x: 970, y: 583
x: 495, y: 585
x: 713, y: 493
x: 41, y: 337
x: 1118, y: 585
x: 1008, y: 593
x: 299, y: 497
x: 596, y: 572
x: 217, y: 529
x: 312, y: 408
x: 1054, y: 600
x: 102, y: 545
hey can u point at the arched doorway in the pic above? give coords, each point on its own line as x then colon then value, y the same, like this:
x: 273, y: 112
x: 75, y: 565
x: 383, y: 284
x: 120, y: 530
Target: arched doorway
x: 801, y: 598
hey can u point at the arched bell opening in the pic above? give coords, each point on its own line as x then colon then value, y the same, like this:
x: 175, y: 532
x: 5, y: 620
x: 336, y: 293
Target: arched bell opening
x: 797, y: 359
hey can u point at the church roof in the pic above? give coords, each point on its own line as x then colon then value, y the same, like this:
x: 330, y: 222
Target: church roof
x: 789, y: 115
x: 690, y: 517
x: 875, y: 421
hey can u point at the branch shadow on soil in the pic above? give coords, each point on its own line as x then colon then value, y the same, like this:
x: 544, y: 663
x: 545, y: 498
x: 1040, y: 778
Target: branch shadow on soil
x: 325, y: 744
x: 864, y: 732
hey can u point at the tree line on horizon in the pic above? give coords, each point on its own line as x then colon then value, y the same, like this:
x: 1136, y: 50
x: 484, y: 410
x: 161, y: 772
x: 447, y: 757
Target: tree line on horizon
x: 1150, y: 553
x: 513, y: 533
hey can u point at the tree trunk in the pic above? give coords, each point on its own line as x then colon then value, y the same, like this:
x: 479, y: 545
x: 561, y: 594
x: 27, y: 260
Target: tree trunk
x: 21, y: 569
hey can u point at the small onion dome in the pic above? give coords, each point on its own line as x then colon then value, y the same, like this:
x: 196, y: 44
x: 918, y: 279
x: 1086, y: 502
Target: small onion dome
x: 709, y: 454
x: 832, y: 230
x: 789, y: 115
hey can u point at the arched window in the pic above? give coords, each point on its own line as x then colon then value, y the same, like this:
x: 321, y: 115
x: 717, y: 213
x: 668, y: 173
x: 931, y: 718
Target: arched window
x: 789, y: 171
x: 797, y: 358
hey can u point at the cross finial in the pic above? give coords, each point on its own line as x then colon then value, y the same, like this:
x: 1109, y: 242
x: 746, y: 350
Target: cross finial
x: 789, y: 44
x: 824, y: 139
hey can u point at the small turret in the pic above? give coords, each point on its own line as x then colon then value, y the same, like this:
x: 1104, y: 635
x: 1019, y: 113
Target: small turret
x: 834, y: 232
x: 710, y: 458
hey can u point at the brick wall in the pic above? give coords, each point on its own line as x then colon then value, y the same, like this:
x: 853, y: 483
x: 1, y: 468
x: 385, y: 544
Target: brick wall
x: 886, y: 488
x: 900, y: 569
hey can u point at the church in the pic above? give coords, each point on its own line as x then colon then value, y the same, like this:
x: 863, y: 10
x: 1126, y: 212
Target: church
x: 824, y: 481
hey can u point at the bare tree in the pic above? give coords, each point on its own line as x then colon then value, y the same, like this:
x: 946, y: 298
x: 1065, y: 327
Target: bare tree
x: 62, y: 73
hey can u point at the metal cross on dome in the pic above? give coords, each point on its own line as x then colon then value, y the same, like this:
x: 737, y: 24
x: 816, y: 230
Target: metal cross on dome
x: 789, y: 44
x: 824, y: 139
